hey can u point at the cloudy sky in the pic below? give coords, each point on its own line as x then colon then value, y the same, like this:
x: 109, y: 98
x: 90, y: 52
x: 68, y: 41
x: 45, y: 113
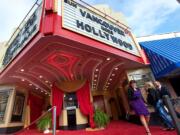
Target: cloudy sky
x: 145, y: 17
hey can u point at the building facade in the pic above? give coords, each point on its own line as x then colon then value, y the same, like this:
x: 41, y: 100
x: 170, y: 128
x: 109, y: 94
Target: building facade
x: 69, y: 47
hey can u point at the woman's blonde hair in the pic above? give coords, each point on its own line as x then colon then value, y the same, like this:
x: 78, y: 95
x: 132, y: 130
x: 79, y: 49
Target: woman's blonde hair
x: 149, y: 85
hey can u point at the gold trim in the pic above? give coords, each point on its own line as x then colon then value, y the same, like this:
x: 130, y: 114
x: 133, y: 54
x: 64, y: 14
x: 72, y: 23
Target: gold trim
x: 55, y: 6
x: 70, y: 86
x: 136, y: 43
x: 62, y: 12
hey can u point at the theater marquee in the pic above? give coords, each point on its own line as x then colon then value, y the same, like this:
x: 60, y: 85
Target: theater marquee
x: 82, y: 20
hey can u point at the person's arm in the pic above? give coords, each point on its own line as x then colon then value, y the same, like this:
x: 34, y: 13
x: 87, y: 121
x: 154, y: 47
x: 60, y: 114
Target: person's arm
x: 166, y: 91
x: 130, y: 94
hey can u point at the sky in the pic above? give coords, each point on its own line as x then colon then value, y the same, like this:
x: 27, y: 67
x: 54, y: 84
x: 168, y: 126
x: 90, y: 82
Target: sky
x: 145, y: 17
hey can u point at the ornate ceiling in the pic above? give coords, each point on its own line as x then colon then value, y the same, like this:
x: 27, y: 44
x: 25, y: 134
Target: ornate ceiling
x: 51, y: 60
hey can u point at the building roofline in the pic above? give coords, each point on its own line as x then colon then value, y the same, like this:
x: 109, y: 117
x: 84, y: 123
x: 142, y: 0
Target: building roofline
x: 158, y: 36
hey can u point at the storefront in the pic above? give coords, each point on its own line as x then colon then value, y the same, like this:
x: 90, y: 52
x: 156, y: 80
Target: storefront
x: 63, y: 49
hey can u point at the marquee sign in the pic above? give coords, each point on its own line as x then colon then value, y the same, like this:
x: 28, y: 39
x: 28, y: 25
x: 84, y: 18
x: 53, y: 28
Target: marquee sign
x: 78, y: 18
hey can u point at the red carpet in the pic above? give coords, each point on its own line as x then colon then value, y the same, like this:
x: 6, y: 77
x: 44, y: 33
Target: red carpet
x: 114, y: 128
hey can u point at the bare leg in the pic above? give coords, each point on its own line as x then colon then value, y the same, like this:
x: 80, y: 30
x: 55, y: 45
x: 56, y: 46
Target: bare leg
x: 147, y: 119
x: 144, y: 123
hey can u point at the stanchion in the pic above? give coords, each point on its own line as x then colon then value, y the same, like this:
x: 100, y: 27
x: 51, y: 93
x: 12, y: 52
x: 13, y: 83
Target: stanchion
x: 172, y: 113
x: 54, y: 120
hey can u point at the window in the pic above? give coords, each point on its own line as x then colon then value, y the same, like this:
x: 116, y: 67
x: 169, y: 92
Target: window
x: 18, y: 108
x: 4, y: 96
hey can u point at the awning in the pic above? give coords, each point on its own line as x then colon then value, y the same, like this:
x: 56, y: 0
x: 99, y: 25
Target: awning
x: 164, y: 56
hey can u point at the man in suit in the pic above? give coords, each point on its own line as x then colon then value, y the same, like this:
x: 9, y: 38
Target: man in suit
x: 161, y: 89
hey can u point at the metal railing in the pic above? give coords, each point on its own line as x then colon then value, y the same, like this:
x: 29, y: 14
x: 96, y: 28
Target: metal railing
x: 170, y: 105
x: 53, y: 110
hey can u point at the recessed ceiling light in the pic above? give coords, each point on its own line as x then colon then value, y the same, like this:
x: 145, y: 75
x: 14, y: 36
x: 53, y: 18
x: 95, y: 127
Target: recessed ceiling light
x: 113, y: 74
x: 37, y: 88
x: 46, y: 81
x: 22, y: 80
x: 51, y: 85
x: 95, y: 75
x: 22, y: 70
x: 116, y: 68
x: 95, y: 80
x: 110, y: 79
x: 40, y: 76
x: 46, y: 93
x: 108, y: 59
x: 30, y: 84
x: 97, y: 69
x: 41, y: 91
x: 108, y: 83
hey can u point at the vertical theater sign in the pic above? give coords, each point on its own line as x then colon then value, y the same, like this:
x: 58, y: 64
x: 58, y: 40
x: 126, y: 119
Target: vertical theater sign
x: 82, y: 20
x: 27, y: 30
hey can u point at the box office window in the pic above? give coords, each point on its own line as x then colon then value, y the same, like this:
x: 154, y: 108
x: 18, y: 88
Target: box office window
x: 4, y: 96
x: 70, y: 101
x: 18, y: 108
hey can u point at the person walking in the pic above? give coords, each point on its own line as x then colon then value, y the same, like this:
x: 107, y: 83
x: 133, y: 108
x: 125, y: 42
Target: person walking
x: 154, y: 99
x: 137, y: 103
